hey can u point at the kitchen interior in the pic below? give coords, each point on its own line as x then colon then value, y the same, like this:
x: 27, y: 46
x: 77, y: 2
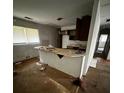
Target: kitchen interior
x: 62, y: 46
x: 72, y: 49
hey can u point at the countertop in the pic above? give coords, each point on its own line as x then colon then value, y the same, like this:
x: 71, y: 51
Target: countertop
x: 62, y: 51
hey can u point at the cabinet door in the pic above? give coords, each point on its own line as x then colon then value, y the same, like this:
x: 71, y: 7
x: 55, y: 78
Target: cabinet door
x: 78, y: 28
x: 82, y: 28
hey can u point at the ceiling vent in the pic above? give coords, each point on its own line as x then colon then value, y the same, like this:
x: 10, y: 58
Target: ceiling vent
x: 60, y: 18
x: 107, y: 20
x: 28, y: 18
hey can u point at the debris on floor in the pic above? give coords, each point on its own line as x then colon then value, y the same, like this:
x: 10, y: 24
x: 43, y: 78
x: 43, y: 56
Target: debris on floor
x: 51, y: 80
x: 42, y: 66
x: 38, y: 63
x: 17, y: 63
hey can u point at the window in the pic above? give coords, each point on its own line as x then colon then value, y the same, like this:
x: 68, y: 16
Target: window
x: 25, y: 35
x: 103, y: 38
x: 102, y: 42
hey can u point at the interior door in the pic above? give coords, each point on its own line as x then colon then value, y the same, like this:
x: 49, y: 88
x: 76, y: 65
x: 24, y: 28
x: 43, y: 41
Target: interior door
x: 103, y: 44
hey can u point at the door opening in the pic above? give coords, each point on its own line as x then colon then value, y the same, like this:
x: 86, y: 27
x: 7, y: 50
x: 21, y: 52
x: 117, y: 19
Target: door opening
x: 103, y: 43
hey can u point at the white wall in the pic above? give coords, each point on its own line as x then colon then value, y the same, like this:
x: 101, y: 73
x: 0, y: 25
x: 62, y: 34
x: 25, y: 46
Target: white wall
x: 108, y: 55
x: 45, y: 33
x: 74, y: 42
x: 66, y: 42
x: 71, y: 27
x: 92, y: 38
x: 104, y: 11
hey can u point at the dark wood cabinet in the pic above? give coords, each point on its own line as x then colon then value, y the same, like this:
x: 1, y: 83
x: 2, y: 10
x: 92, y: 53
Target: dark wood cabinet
x: 82, y: 28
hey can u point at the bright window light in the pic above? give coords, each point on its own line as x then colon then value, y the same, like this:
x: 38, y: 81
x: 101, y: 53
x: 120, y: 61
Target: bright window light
x: 103, y: 38
x: 25, y: 35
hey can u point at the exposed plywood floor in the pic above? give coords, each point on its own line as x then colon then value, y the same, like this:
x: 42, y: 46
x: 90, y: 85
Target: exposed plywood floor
x: 98, y: 80
x: 30, y: 79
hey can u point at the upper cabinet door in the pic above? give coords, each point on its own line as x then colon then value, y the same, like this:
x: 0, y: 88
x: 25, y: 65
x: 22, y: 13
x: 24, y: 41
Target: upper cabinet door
x: 82, y: 28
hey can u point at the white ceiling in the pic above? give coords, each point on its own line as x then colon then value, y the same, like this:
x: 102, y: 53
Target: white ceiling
x: 47, y: 11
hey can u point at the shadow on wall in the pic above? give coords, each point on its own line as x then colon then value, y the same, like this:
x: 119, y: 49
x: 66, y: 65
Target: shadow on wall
x: 22, y: 52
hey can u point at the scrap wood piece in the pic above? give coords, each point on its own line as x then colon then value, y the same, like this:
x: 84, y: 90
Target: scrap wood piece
x: 38, y: 63
x: 42, y: 68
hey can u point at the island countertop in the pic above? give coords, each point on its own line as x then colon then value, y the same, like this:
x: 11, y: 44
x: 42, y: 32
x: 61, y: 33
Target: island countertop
x: 62, y: 51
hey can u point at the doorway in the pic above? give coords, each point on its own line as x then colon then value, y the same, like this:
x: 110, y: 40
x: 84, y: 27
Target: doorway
x: 103, y: 43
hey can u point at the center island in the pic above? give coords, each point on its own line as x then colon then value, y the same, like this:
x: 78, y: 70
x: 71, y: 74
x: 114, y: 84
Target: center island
x: 68, y: 61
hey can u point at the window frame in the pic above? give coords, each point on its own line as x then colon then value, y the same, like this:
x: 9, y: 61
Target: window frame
x: 27, y: 43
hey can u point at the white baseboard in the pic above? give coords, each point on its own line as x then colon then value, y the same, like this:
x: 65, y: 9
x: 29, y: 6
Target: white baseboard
x: 93, y: 63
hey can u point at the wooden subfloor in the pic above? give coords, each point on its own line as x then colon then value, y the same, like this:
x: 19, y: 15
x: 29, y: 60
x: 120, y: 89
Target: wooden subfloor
x: 29, y: 79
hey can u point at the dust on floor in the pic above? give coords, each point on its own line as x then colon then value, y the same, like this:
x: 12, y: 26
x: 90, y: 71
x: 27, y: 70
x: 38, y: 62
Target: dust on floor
x: 29, y: 79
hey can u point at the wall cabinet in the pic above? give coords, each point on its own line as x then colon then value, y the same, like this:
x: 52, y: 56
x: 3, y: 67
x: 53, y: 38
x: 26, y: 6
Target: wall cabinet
x: 82, y: 28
